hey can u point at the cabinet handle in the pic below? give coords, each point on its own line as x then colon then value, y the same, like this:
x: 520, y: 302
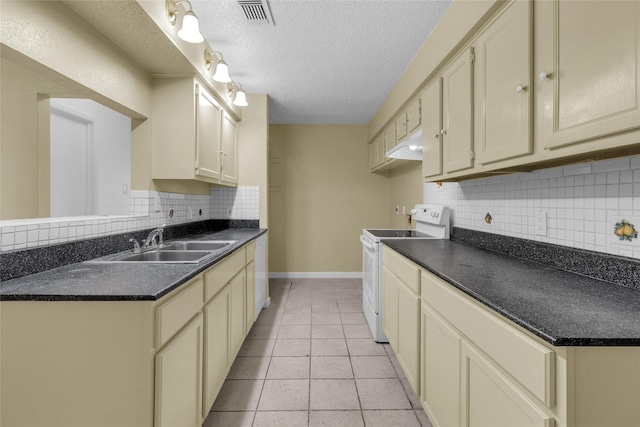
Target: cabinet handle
x: 436, y: 136
x: 443, y: 132
x: 544, y: 75
x: 521, y: 88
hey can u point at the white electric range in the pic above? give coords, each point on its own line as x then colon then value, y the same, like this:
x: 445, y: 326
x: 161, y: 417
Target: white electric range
x: 432, y: 222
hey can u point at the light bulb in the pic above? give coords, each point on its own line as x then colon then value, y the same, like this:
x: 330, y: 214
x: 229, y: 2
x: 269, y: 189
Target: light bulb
x: 190, y: 31
x: 222, y: 72
x: 240, y: 99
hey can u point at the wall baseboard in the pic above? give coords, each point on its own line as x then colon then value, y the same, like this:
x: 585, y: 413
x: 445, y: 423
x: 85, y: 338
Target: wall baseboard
x: 316, y: 275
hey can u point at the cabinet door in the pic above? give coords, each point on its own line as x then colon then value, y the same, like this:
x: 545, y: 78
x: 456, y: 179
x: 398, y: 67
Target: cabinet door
x: 390, y: 307
x: 490, y: 399
x: 457, y: 113
x: 216, y: 346
x: 373, y: 154
x: 251, y: 296
x: 590, y: 52
x: 413, y: 116
x: 390, y: 140
x: 431, y: 125
x: 502, y: 86
x: 229, y: 149
x: 381, y: 150
x: 208, y: 119
x: 440, y: 370
x: 237, y: 317
x: 401, y: 127
x: 178, y: 388
x: 409, y: 335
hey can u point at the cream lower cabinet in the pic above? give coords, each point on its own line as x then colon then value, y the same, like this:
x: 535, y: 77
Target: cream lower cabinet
x: 238, y: 290
x: 124, y: 363
x: 179, y: 379
x: 390, y: 287
x: 401, y: 312
x: 217, y: 359
x: 479, y: 369
x: 440, y: 369
x: 490, y: 398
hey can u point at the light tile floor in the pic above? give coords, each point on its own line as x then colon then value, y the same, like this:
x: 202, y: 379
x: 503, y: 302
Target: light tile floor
x: 310, y: 360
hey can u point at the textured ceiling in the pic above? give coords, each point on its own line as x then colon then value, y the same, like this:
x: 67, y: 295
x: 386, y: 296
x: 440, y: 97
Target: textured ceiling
x: 324, y: 61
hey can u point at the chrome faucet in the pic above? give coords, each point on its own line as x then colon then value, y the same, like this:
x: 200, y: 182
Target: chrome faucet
x: 136, y: 245
x: 153, y: 234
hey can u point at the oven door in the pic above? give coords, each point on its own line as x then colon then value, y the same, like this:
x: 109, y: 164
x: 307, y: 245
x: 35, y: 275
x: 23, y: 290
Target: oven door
x: 369, y: 274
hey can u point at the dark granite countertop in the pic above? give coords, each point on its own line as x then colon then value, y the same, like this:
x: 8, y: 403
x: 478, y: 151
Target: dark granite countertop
x: 88, y: 281
x: 562, y: 308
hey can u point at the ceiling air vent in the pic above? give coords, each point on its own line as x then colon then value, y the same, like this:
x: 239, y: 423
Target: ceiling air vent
x: 256, y: 11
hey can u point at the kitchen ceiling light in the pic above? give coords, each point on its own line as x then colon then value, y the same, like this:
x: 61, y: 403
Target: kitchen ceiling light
x: 222, y: 71
x: 240, y: 98
x: 190, y: 31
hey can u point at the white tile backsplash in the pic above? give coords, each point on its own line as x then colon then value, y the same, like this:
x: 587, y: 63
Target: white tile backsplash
x: 241, y: 202
x: 148, y: 209
x: 583, y: 202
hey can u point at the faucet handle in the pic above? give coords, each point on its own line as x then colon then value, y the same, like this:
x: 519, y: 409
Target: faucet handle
x: 136, y: 245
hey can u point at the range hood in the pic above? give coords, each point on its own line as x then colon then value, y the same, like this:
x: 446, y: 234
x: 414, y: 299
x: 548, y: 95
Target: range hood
x: 409, y: 149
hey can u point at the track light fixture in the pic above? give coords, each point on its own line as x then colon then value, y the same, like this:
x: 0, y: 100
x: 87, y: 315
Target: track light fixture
x: 190, y: 31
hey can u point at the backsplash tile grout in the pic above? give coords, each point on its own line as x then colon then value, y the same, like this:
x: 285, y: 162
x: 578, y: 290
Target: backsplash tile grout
x: 148, y: 209
x: 582, y: 202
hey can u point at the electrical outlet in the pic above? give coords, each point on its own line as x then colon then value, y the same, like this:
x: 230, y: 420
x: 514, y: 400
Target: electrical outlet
x: 541, y: 223
x: 190, y: 212
x: 228, y: 211
x: 157, y: 205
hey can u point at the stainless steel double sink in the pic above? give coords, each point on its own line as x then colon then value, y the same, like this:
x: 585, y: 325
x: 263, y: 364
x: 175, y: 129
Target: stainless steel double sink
x: 183, y: 252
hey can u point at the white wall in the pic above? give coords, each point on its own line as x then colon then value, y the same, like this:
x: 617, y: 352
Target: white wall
x: 583, y: 203
x: 111, y: 135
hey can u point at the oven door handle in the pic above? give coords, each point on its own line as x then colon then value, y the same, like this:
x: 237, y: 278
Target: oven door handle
x: 366, y: 244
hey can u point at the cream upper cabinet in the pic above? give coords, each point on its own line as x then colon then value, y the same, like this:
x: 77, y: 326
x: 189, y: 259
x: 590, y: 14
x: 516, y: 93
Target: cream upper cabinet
x: 229, y: 152
x: 373, y: 154
x: 390, y: 140
x: 193, y: 137
x: 208, y: 124
x: 431, y: 125
x: 502, y: 74
x: 381, y: 150
x: 457, y: 113
x: 401, y: 127
x: 414, y: 117
x: 587, y: 69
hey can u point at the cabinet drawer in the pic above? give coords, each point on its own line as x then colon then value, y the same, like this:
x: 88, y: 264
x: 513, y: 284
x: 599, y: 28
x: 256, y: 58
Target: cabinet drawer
x: 251, y: 252
x: 406, y: 271
x: 529, y: 362
x: 216, y: 277
x: 173, y: 314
